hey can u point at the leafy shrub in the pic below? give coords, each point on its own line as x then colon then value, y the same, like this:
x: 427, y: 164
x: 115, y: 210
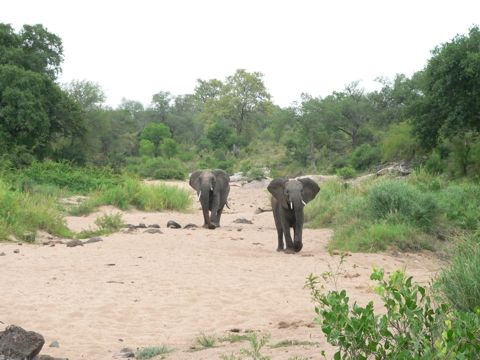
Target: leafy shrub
x: 413, y: 327
x: 461, y: 204
x: 364, y: 156
x: 460, y: 279
x: 435, y: 165
x: 347, y: 172
x: 152, y: 351
x: 399, y: 202
x: 169, y: 174
x: 338, y: 163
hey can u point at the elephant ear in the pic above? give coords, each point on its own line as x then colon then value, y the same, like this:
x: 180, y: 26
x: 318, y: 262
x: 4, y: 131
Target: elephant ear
x: 222, y: 180
x: 310, y: 189
x: 195, y: 180
x: 277, y: 189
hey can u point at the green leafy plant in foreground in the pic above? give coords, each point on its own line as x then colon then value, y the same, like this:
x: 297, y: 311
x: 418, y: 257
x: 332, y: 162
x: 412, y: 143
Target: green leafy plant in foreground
x: 255, y: 345
x: 413, y: 327
x: 206, y: 340
x: 152, y: 351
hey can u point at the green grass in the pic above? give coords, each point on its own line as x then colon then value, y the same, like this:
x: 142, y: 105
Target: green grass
x: 233, y: 338
x: 107, y: 224
x: 460, y: 280
x: 23, y: 214
x: 286, y: 343
x: 206, y: 340
x: 152, y: 351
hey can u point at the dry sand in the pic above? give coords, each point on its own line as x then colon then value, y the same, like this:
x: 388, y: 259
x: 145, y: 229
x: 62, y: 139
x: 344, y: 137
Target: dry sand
x: 139, y: 289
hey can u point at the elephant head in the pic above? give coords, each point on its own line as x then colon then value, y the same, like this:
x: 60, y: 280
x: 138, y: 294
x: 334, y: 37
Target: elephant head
x: 288, y: 202
x: 213, y: 187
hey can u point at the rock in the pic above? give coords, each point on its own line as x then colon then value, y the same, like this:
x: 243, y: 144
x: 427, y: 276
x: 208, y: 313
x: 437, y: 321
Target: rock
x: 141, y: 226
x: 189, y: 226
x: 243, y: 221
x: 153, y: 231
x: 15, y: 342
x: 155, y: 226
x: 2, y: 254
x: 47, y: 357
x: 93, y: 240
x: 173, y: 225
x: 124, y: 353
x: 16, y: 251
x: 54, y: 344
x: 74, y: 243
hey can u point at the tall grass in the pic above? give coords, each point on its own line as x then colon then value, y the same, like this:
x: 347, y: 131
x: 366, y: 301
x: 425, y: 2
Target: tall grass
x: 24, y: 213
x: 460, y: 280
x: 134, y: 193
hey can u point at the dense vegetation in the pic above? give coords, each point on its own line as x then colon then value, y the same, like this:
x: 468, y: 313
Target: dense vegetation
x: 60, y: 139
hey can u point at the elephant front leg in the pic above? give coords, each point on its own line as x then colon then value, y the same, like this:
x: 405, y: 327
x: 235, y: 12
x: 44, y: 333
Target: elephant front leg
x: 288, y: 241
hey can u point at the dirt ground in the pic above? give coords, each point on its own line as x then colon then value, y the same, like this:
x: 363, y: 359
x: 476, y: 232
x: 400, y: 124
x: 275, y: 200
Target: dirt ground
x: 136, y: 289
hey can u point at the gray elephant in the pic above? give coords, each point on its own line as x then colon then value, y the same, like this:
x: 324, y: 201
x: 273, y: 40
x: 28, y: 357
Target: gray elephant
x: 289, y: 199
x: 213, y: 187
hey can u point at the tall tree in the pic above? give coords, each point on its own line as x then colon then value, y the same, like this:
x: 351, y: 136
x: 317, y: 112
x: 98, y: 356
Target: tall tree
x: 243, y: 101
x: 348, y: 112
x: 450, y: 100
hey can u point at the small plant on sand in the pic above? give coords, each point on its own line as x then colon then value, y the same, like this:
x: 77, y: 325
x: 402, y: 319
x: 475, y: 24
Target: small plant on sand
x: 152, y: 351
x: 255, y: 345
x: 286, y: 343
x: 206, y: 340
x: 233, y: 338
x: 107, y: 224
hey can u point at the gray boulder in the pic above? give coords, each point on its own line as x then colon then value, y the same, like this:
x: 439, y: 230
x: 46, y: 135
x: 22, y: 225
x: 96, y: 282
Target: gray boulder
x: 16, y: 343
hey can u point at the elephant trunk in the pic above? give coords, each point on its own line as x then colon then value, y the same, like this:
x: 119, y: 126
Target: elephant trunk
x: 298, y: 206
x: 205, y: 201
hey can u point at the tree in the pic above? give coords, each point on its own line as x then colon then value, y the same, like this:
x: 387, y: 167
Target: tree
x: 156, y: 133
x: 450, y: 101
x: 243, y: 101
x: 33, y: 48
x: 348, y: 111
x: 89, y: 94
x: 161, y: 105
x: 169, y: 148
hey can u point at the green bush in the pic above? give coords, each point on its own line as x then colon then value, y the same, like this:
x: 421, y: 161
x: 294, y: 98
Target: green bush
x: 435, y: 165
x: 364, y: 156
x: 413, y: 326
x: 460, y: 280
x: 347, y: 172
x: 399, y: 202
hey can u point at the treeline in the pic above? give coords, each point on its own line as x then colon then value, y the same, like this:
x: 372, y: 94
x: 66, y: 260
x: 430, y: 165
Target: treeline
x: 430, y: 119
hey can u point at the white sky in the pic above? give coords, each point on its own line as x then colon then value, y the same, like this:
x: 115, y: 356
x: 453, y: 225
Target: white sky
x: 135, y: 49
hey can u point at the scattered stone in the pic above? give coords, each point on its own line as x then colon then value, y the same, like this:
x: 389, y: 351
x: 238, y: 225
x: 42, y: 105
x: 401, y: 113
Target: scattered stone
x: 16, y: 251
x: 156, y: 226
x: 239, y: 229
x: 173, y: 225
x: 236, y: 330
x: 2, y: 254
x: 189, y: 226
x: 124, y: 353
x: 74, y: 243
x: 54, y: 344
x: 93, y: 240
x: 47, y: 357
x: 260, y: 210
x: 141, y: 226
x: 52, y: 242
x: 153, y: 231
x: 243, y: 221
x: 15, y: 343
x: 19, y: 243
x: 248, y: 330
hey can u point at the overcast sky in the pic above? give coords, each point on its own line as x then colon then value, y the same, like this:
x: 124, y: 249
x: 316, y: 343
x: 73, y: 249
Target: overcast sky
x: 137, y: 48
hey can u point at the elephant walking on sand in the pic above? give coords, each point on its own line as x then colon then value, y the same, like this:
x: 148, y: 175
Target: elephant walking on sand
x: 213, y: 187
x: 289, y: 199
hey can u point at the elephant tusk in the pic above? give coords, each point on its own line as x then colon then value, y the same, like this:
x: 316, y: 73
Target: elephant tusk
x: 291, y: 205
x: 304, y: 203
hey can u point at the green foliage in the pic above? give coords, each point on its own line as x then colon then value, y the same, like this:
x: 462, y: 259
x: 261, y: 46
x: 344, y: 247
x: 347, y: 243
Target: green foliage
x: 147, y: 148
x: 219, y: 136
x: 399, y: 143
x: 112, y: 222
x: 233, y: 338
x: 254, y: 352
x: 64, y: 175
x: 435, y: 164
x: 460, y: 279
x: 169, y: 148
x: 461, y: 205
x: 398, y: 202
x: 413, y: 326
x: 157, y: 134
x: 364, y: 156
x: 450, y: 103
x: 153, y: 351
x: 22, y: 214
x: 157, y: 168
x: 347, y: 172
x: 206, y: 340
